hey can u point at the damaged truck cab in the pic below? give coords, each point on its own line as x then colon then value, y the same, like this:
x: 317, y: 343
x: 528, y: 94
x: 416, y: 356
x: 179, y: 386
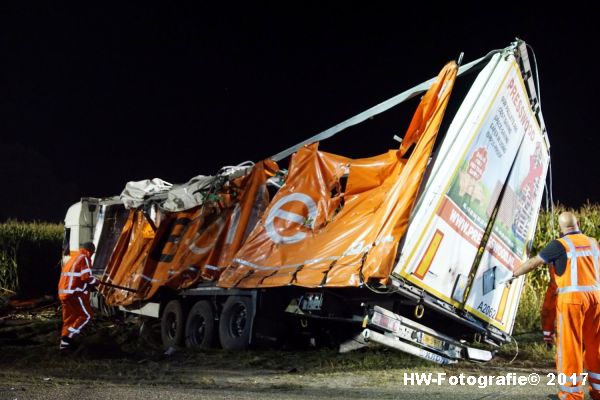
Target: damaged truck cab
x: 411, y: 249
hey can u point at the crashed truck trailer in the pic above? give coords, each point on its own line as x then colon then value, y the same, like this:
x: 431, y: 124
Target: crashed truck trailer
x: 411, y: 249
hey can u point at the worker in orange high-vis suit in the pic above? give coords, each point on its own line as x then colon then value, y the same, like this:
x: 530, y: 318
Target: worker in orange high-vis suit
x: 548, y: 314
x: 76, y: 282
x: 576, y: 262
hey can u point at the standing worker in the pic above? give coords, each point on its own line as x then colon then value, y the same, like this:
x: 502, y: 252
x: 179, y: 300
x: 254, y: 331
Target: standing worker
x: 76, y: 281
x: 575, y: 258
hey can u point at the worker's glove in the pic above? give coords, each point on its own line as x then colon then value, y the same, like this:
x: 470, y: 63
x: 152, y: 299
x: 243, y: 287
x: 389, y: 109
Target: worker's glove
x: 510, y: 281
x: 549, y: 338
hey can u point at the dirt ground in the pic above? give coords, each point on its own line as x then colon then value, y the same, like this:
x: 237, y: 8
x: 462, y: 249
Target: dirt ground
x: 117, y: 359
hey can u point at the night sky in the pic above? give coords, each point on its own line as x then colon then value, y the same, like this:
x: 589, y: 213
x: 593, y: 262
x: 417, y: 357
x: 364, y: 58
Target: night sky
x: 94, y: 95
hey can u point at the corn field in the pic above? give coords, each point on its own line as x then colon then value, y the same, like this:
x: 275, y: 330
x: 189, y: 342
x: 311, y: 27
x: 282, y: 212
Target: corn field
x: 528, y: 316
x: 28, y: 256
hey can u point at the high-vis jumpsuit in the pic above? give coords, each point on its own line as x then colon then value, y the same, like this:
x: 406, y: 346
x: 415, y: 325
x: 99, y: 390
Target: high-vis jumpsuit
x: 73, y: 291
x: 548, y: 314
x: 578, y: 318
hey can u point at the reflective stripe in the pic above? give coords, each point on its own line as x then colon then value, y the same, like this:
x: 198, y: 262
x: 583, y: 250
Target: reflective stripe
x: 595, y: 386
x: 594, y: 375
x: 573, y: 259
x: 584, y: 253
x: 70, y: 291
x: 87, y: 270
x: 547, y: 333
x: 572, y: 254
x: 570, y: 389
x: 559, y: 341
x: 86, y: 313
x: 71, y: 273
x: 78, y: 330
x: 72, y: 267
x: 571, y: 289
x: 595, y: 255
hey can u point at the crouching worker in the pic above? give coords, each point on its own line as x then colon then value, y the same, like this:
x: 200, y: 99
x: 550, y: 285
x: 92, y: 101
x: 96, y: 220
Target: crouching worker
x: 76, y: 282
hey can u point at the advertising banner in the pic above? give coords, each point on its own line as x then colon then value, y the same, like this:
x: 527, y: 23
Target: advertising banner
x: 504, y: 136
x: 514, y: 227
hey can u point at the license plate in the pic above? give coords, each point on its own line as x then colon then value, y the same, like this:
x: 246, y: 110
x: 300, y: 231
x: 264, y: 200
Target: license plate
x: 432, y: 342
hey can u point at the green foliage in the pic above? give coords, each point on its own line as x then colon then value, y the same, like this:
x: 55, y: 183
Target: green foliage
x: 532, y: 297
x: 528, y: 316
x: 28, y: 252
x: 9, y: 280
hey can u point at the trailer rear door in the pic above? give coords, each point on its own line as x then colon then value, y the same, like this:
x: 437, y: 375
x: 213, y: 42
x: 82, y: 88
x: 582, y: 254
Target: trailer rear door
x: 479, y: 208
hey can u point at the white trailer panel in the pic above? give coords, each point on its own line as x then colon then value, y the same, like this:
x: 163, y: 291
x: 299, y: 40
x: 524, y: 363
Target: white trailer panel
x: 493, y: 139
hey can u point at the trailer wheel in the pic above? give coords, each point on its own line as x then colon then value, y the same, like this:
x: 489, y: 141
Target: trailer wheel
x: 200, y: 326
x: 235, y: 324
x: 171, y: 324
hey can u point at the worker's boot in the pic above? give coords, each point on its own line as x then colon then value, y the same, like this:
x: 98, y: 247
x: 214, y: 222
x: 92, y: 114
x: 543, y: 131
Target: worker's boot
x: 66, y: 345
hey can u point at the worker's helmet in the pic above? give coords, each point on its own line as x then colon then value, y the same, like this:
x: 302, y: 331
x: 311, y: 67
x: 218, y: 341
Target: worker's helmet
x: 89, y: 246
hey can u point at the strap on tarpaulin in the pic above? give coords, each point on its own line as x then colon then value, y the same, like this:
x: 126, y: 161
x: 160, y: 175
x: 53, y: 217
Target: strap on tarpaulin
x: 378, y: 109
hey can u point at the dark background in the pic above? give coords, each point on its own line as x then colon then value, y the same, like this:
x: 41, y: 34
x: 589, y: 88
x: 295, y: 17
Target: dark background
x: 95, y: 95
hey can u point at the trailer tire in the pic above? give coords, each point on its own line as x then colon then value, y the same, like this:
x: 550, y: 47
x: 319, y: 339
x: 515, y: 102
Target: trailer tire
x: 172, y: 324
x: 200, y: 326
x: 235, y: 324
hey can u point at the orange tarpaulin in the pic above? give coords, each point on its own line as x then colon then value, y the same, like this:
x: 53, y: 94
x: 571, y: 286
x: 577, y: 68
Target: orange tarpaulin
x: 189, y: 246
x: 127, y: 261
x: 313, y: 234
